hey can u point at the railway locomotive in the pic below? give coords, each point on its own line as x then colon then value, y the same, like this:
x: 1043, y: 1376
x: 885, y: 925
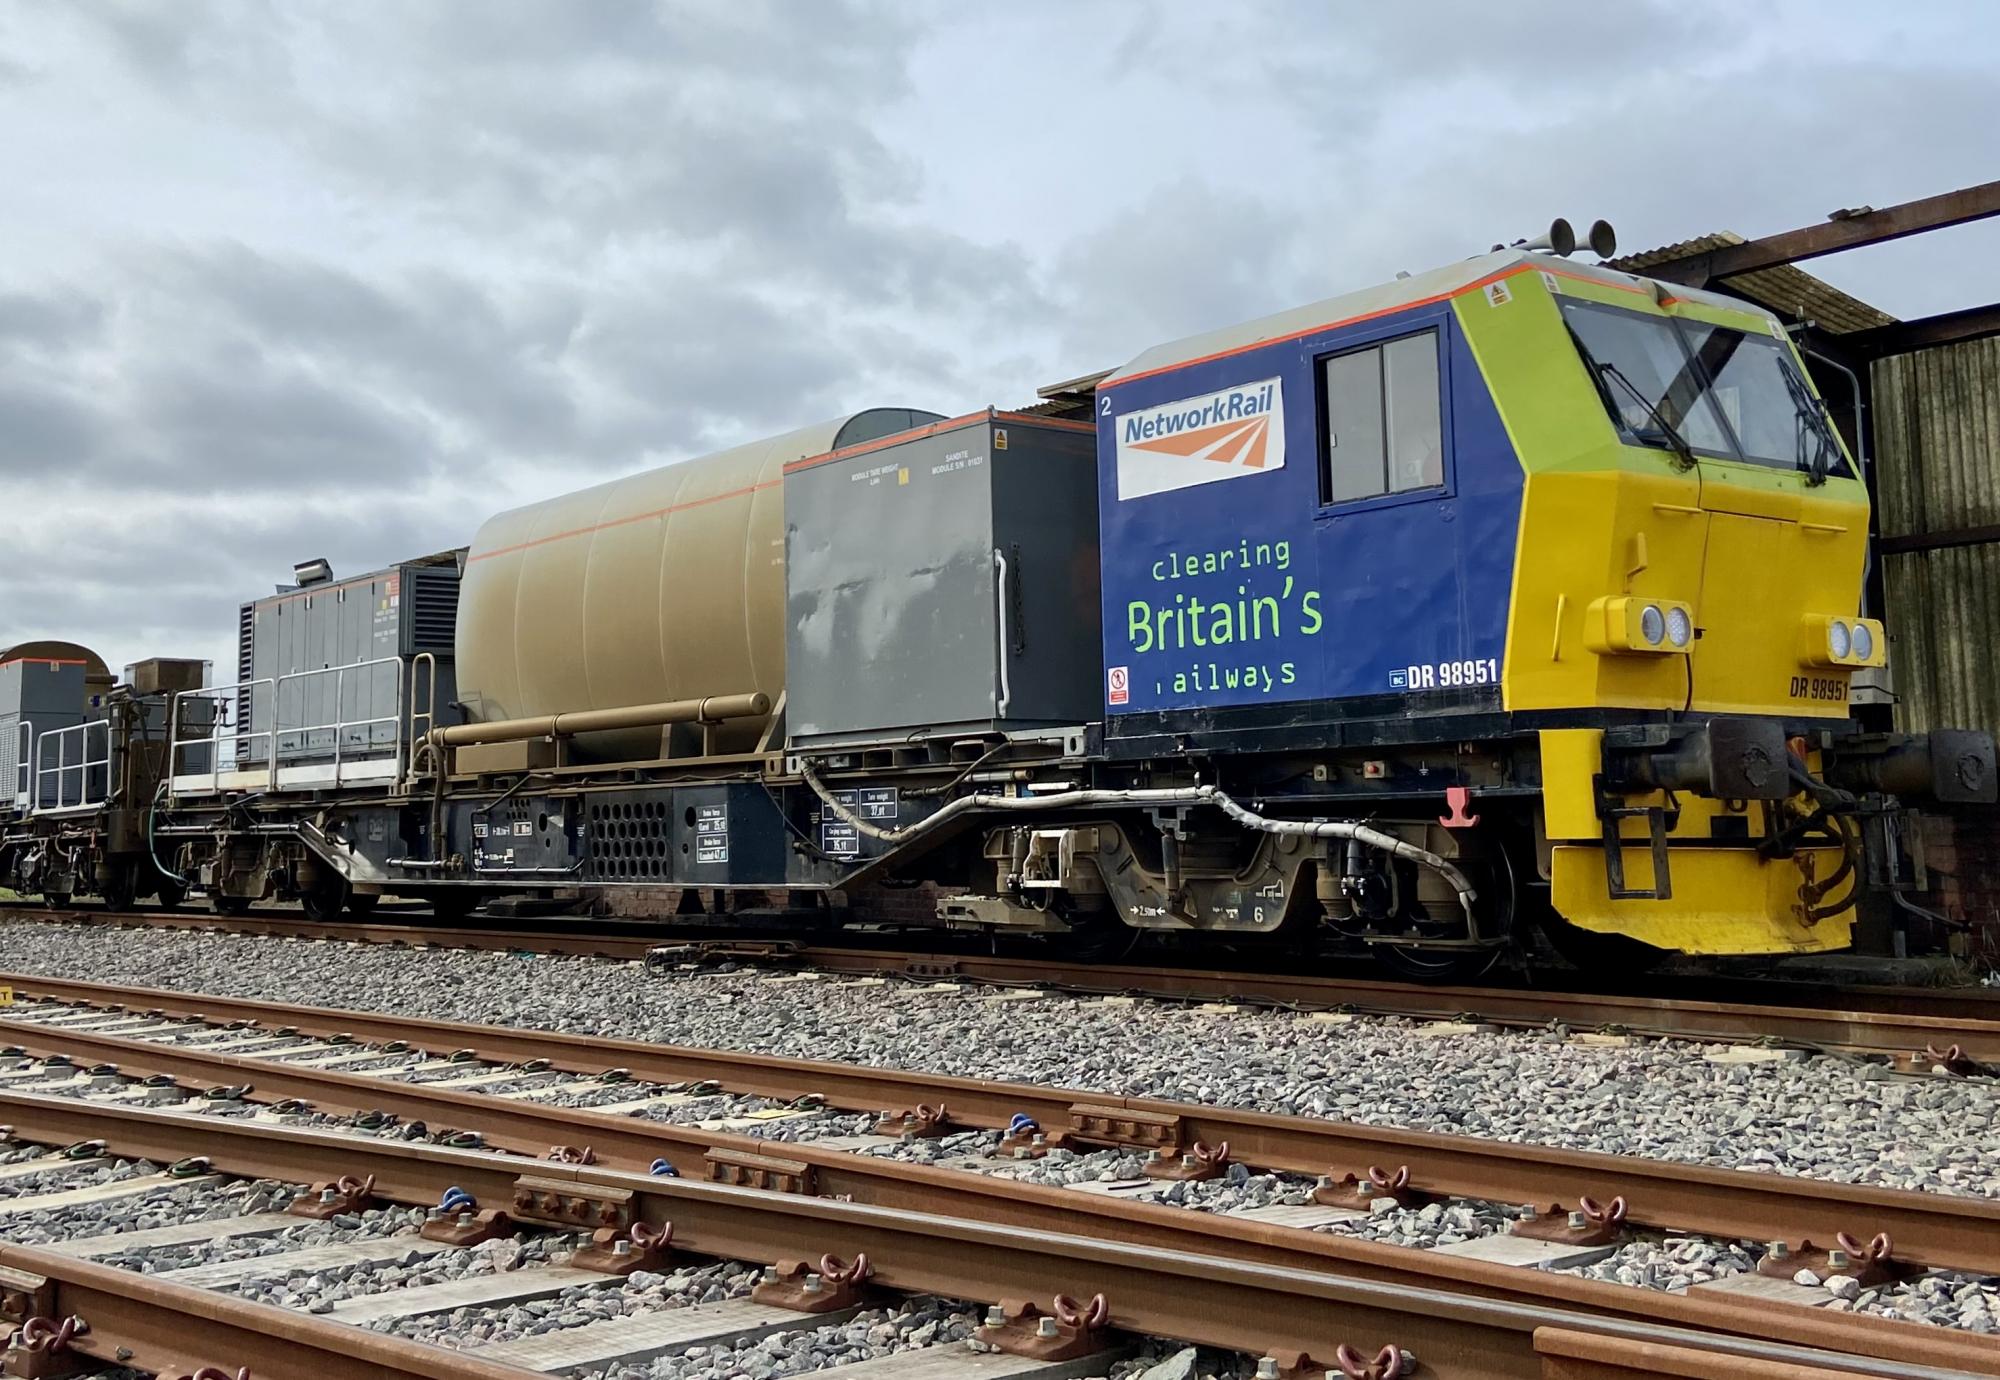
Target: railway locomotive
x: 1514, y: 597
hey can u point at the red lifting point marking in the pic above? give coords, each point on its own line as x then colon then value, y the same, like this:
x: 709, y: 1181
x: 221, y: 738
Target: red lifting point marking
x: 1456, y: 797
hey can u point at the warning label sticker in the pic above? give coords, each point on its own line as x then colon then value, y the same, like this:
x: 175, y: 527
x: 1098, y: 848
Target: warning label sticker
x: 711, y: 833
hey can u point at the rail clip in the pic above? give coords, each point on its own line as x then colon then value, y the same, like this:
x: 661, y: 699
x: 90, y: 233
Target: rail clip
x: 468, y: 1227
x: 1024, y: 1139
x: 1591, y: 1224
x: 1348, y: 1363
x: 1361, y: 1193
x: 921, y: 1122
x: 1951, y: 1059
x: 39, y: 1348
x: 641, y: 1246
x: 1870, y: 1264
x: 1069, y: 1330
x: 799, y: 1286
x: 1200, y: 1162
x: 345, y: 1194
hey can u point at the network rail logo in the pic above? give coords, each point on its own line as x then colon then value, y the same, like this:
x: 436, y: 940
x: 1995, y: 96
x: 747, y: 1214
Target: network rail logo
x: 1232, y: 434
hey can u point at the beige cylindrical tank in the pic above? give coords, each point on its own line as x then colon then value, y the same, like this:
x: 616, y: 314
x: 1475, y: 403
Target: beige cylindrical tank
x: 664, y: 585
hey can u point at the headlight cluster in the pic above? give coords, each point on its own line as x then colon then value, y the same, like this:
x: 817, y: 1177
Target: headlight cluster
x: 1829, y: 641
x: 1632, y: 624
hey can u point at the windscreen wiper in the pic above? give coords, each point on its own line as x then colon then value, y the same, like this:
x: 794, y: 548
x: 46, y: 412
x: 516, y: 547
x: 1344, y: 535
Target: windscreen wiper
x: 1811, y: 416
x: 1683, y: 452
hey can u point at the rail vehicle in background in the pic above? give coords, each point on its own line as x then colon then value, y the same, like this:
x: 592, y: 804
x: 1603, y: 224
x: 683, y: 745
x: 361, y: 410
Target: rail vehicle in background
x: 1518, y: 595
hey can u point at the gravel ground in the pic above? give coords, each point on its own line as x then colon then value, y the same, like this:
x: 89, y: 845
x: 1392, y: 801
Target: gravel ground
x: 1825, y: 1118
x: 1944, y: 1298
x: 167, y: 1206
x: 308, y: 1234
x: 319, y: 1291
x: 640, y: 1292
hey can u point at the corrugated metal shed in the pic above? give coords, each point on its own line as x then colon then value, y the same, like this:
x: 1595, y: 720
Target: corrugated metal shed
x: 1937, y: 436
x: 1788, y: 290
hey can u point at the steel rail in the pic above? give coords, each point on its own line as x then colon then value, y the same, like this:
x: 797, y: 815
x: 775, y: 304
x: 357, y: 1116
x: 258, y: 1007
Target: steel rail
x: 175, y: 1330
x: 1939, y: 1230
x: 1896, y: 1021
x: 1260, y: 1306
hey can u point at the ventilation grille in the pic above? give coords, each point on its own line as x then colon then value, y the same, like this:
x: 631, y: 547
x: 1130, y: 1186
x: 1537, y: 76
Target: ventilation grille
x: 630, y: 842
x: 246, y: 668
x: 433, y: 594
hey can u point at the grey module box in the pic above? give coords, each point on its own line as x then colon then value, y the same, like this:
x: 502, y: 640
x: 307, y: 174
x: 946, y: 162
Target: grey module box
x: 403, y: 611
x: 944, y: 583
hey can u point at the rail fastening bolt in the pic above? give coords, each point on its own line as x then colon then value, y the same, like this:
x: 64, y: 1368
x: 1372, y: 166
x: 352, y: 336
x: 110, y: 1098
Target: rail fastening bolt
x: 1188, y: 1160
x: 996, y: 1316
x: 465, y: 1219
x: 1038, y: 1140
x: 433, y: 1214
x: 1780, y: 1250
x: 329, y: 1195
x: 770, y: 1275
x: 1046, y: 1327
x: 1836, y: 1260
x: 1578, y: 1221
x: 1152, y: 1157
x: 1528, y: 1213
x: 621, y: 1247
x: 814, y: 1284
x: 1267, y: 1368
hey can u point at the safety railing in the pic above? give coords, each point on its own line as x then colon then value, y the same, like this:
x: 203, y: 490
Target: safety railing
x: 290, y: 759
x: 80, y: 776
x: 216, y: 740
x: 20, y: 778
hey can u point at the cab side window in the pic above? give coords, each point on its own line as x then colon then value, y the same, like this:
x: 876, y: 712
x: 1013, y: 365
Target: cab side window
x: 1382, y: 431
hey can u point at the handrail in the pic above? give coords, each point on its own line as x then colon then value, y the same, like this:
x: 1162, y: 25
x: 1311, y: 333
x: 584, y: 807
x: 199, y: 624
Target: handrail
x: 337, y: 724
x: 81, y: 767
x: 229, y: 695
x: 22, y: 791
x: 226, y: 698
x: 428, y: 661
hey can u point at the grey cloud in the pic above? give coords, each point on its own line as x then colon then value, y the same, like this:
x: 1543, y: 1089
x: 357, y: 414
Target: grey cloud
x: 56, y: 320
x: 147, y: 589
x: 43, y: 429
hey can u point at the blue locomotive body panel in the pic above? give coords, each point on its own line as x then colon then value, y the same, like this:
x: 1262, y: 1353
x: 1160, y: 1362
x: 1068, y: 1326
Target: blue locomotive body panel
x: 1230, y: 580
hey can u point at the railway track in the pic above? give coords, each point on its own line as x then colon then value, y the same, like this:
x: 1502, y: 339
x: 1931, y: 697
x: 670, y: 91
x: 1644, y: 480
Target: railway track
x: 818, y: 1263
x: 297, y: 1065
x: 1919, y: 1028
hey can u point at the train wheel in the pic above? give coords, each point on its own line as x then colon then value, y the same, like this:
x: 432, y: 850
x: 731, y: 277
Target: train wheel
x: 56, y: 900
x: 228, y: 905
x: 121, y: 887
x: 326, y: 899
x: 171, y: 893
x: 360, y: 907
x: 1493, y: 872
x: 1440, y: 965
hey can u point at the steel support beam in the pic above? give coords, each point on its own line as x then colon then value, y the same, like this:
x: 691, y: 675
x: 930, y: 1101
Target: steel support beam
x: 1901, y: 337
x: 1849, y: 232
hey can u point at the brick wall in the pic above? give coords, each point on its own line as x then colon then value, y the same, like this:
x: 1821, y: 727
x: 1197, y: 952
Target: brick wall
x: 1962, y: 856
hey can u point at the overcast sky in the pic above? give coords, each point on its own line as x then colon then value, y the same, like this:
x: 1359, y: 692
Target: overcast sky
x: 342, y: 278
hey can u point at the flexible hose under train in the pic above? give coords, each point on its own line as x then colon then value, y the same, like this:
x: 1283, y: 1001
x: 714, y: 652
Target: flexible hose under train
x: 1175, y: 795
x: 153, y: 848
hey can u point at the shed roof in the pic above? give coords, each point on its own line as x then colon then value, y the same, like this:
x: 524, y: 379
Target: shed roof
x: 1788, y: 290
